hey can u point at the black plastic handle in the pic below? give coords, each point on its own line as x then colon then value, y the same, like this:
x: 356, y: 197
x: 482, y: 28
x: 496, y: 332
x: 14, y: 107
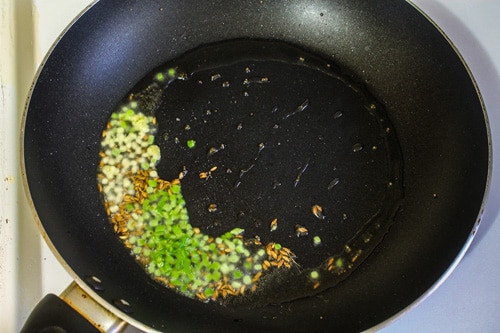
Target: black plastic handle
x: 53, y: 315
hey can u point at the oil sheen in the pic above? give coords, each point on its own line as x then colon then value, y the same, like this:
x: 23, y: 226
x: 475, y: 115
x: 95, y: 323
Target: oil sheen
x: 271, y: 151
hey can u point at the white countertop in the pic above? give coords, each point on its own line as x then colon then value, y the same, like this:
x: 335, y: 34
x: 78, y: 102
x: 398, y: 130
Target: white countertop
x: 468, y: 301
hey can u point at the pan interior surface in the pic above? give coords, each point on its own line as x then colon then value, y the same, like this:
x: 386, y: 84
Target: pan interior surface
x: 411, y: 73
x: 274, y: 142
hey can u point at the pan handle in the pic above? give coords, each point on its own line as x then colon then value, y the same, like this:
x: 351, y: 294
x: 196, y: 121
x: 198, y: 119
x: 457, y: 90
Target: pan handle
x: 75, y: 311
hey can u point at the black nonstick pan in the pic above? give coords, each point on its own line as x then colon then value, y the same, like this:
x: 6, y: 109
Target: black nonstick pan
x: 355, y: 125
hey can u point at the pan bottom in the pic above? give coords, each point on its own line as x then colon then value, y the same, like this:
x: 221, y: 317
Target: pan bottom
x: 267, y: 138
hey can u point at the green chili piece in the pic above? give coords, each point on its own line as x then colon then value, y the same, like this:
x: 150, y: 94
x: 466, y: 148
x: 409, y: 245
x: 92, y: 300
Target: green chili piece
x: 190, y: 143
x: 209, y: 292
x: 175, y: 189
x: 236, y: 284
x: 241, y: 249
x: 229, y: 244
x: 131, y: 225
x: 339, y: 263
x: 225, y: 268
x: 160, y: 77
x: 237, y: 274
x: 237, y: 231
x: 247, y: 279
x: 177, y: 282
x: 234, y: 258
x: 215, y: 265
x: 216, y: 276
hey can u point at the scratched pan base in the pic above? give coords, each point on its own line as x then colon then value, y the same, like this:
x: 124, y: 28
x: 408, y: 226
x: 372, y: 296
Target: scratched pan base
x: 265, y: 132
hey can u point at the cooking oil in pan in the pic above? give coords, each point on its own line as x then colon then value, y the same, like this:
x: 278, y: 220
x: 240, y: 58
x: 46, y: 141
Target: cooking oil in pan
x: 268, y: 197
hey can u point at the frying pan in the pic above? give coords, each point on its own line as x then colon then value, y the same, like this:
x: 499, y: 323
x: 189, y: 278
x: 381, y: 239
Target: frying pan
x: 388, y: 49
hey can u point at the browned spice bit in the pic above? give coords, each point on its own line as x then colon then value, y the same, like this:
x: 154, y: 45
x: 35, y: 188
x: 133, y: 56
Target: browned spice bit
x: 330, y: 264
x: 330, y: 261
x: 242, y: 289
x: 164, y: 281
x: 274, y: 255
x: 212, y: 208
x: 183, y: 173
x: 274, y: 225
x: 356, y: 255
x: 301, y: 231
x: 256, y: 277
x: 253, y: 241
x: 269, y: 248
x: 287, y: 252
x: 316, y: 285
x: 317, y: 210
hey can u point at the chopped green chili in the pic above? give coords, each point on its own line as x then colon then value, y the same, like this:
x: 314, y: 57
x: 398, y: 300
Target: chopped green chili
x: 151, y: 218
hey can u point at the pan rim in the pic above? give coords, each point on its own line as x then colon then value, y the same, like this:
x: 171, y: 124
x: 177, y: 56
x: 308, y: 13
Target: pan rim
x: 451, y: 268
x: 27, y: 193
